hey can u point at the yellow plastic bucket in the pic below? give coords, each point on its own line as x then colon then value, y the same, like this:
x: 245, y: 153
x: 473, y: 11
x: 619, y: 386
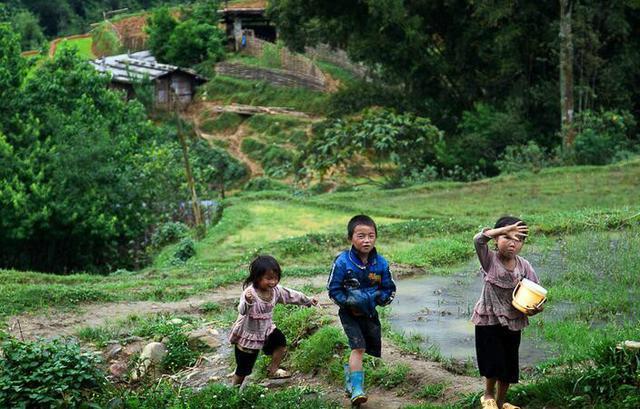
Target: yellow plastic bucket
x: 528, y: 295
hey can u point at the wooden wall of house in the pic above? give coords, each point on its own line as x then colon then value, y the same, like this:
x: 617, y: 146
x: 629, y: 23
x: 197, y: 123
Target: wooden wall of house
x: 183, y: 86
x: 163, y: 92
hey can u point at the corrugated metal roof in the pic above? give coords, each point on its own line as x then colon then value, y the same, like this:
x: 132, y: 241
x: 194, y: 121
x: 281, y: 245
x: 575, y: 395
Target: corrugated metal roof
x: 129, y: 68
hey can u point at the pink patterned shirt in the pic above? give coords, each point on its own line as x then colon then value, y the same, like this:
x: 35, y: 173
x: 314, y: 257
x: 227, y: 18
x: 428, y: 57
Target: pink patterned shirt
x: 255, y: 321
x: 494, y: 306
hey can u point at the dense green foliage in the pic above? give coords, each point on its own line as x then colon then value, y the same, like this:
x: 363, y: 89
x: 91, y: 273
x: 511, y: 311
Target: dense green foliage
x: 382, y: 136
x: 44, y: 374
x: 485, y: 72
x: 85, y: 174
x: 190, y: 39
x: 73, y: 180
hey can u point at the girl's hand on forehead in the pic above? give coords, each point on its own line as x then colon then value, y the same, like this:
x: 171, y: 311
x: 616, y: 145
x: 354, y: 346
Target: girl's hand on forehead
x: 516, y: 231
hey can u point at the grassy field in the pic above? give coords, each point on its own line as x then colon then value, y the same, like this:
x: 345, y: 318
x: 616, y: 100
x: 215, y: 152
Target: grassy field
x: 586, y: 219
x: 229, y: 90
x: 83, y: 45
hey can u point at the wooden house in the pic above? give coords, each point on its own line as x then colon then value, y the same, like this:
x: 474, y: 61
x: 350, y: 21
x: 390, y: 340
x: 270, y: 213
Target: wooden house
x: 172, y: 84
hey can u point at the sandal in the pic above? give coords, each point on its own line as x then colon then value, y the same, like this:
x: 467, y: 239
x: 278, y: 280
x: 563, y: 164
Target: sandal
x: 488, y: 403
x: 507, y: 405
x: 279, y: 374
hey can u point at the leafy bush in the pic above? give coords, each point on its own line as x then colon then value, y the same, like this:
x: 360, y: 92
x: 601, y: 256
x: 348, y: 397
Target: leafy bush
x: 169, y: 233
x: 602, y: 135
x: 187, y: 41
x: 383, y: 137
x: 529, y: 157
x: 185, y: 250
x: 47, y: 374
x: 484, y: 134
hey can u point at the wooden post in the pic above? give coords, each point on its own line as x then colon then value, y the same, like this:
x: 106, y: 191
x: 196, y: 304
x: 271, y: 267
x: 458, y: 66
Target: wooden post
x: 566, y: 74
x: 197, y: 213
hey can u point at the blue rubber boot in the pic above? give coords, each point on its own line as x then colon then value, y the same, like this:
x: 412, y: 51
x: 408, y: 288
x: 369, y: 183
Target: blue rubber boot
x: 347, y: 380
x: 357, y: 388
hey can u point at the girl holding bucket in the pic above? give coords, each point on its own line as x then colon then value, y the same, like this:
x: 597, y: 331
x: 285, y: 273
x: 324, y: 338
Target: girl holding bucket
x: 498, y: 322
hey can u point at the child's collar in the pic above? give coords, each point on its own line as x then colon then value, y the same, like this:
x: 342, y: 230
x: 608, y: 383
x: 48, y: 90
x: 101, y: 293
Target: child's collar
x: 355, y: 258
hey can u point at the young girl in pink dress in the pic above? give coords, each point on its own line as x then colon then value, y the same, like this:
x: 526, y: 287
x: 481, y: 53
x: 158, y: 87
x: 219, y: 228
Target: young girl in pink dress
x: 254, y: 329
x: 498, y: 323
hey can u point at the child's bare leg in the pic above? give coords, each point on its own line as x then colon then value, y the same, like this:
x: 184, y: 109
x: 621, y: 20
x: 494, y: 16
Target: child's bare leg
x: 501, y: 397
x: 276, y: 358
x: 237, y: 380
x: 490, y: 388
x: 355, y: 359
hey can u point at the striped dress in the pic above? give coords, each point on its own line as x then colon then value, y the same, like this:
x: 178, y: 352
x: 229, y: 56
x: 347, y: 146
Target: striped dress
x: 494, y: 306
x: 255, y: 321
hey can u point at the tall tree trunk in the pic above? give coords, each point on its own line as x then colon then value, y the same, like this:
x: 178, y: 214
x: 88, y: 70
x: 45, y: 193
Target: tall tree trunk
x: 566, y: 74
x: 197, y: 215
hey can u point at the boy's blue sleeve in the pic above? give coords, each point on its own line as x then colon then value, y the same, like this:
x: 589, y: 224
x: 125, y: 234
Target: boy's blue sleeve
x: 337, y: 292
x: 387, y: 287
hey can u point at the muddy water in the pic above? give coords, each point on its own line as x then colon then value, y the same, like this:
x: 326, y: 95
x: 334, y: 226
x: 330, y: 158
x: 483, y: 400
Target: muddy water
x: 439, y: 308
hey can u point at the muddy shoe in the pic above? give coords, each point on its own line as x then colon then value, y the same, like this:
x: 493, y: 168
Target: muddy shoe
x: 507, y: 405
x: 279, y: 374
x: 488, y: 403
x: 358, y: 396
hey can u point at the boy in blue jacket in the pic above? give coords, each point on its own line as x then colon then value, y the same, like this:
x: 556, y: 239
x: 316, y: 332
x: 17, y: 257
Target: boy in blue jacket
x: 360, y: 280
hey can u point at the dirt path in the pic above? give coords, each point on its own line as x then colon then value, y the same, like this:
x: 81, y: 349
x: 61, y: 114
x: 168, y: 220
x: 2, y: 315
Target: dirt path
x: 58, y: 323
x: 423, y: 372
x: 234, y: 142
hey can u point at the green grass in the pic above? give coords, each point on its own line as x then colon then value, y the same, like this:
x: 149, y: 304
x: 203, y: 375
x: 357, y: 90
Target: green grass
x: 164, y: 394
x: 231, y: 90
x: 226, y: 122
x: 584, y: 219
x: 83, y: 45
x: 432, y: 391
x: 344, y: 76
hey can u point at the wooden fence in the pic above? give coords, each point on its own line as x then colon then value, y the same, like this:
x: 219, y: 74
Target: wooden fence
x: 280, y: 78
x: 336, y: 57
x: 296, y: 64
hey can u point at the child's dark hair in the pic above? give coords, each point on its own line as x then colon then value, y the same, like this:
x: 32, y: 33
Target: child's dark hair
x: 509, y: 220
x: 359, y: 220
x: 260, y: 266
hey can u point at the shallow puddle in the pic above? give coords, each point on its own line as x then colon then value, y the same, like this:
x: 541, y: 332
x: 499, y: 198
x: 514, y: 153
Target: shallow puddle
x: 439, y: 309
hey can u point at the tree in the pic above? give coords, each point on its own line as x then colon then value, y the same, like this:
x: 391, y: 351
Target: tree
x: 448, y: 56
x: 566, y: 73
x: 192, y: 42
x: 193, y: 39
x: 160, y: 26
x: 76, y: 187
x: 27, y: 26
x: 215, y: 169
